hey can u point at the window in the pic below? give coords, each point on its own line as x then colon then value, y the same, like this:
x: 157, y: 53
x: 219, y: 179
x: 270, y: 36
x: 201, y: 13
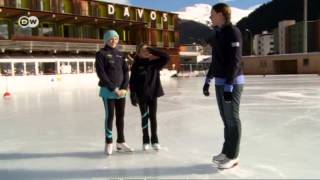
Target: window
x: 170, y: 19
x: 171, y: 37
x: 81, y: 67
x: 84, y: 8
x: 22, y: 3
x: 22, y: 31
x: 89, y: 67
x: 119, y: 11
x: 66, y: 6
x: 47, y: 68
x: 89, y: 32
x: 159, y: 21
x: 159, y: 36
x: 1, y: 2
x: 45, y: 5
x: 102, y: 10
x: 73, y: 67
x: 5, y: 69
x: 18, y: 69
x: 30, y: 69
x: 4, y: 33
x: 70, y: 31
x: 101, y: 32
x: 18, y: 3
x: 46, y: 30
x: 305, y: 62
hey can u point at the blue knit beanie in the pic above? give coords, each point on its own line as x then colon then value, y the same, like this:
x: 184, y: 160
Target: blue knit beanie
x: 109, y: 35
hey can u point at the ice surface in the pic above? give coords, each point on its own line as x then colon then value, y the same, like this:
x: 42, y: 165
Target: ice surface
x: 54, y: 130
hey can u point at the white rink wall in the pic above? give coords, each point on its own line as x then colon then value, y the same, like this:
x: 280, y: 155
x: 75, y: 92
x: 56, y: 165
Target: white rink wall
x: 33, y: 83
x: 63, y: 81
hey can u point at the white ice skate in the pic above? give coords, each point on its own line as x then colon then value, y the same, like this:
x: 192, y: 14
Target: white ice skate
x: 146, y: 147
x: 156, y: 146
x: 219, y: 158
x: 108, y: 149
x: 228, y: 163
x: 123, y: 147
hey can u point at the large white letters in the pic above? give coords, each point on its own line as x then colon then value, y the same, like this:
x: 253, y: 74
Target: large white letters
x: 111, y: 9
x: 126, y: 12
x: 165, y: 17
x: 140, y: 13
x: 153, y: 15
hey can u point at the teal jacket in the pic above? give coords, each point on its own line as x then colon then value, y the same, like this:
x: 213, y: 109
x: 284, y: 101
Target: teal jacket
x: 106, y: 93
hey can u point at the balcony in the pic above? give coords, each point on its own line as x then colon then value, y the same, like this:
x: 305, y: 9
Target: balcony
x: 41, y: 43
x: 84, y: 12
x: 159, y: 26
x: 171, y: 27
x: 171, y: 44
x: 160, y: 44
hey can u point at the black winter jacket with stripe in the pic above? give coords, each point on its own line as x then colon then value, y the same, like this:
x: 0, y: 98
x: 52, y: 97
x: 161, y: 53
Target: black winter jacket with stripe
x: 226, y: 43
x: 112, y: 69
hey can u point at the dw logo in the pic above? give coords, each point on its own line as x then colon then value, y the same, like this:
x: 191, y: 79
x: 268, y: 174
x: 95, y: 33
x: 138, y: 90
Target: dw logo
x: 25, y: 21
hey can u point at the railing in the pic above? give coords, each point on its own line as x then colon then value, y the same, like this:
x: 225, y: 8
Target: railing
x: 57, y: 44
x: 159, y: 26
x: 84, y: 12
x: 171, y: 44
x: 55, y: 39
x: 171, y: 27
x: 160, y: 44
x: 11, y: 4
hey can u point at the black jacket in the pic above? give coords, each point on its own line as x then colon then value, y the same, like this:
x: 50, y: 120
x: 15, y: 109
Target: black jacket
x: 112, y: 69
x: 226, y: 43
x: 145, y: 76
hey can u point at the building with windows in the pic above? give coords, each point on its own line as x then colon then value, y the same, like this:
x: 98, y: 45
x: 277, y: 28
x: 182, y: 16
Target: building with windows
x: 289, y: 37
x: 295, y: 37
x: 263, y: 44
x: 281, y: 37
x: 46, y: 36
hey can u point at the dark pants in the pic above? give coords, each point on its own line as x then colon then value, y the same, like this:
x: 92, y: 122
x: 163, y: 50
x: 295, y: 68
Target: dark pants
x: 148, y: 109
x: 230, y: 115
x: 111, y: 106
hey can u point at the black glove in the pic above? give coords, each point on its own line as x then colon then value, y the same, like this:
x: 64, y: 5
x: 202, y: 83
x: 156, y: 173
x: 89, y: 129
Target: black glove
x: 206, y: 89
x: 227, y: 97
x: 134, y: 99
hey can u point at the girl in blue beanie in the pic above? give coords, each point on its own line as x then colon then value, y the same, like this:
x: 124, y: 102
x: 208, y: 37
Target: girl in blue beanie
x: 112, y: 71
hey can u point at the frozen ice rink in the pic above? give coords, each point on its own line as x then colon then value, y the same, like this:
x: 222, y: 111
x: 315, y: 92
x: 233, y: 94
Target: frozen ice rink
x: 53, y: 129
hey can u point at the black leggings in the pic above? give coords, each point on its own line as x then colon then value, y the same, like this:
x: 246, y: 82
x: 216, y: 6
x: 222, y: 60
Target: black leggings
x: 148, y: 111
x: 111, y: 106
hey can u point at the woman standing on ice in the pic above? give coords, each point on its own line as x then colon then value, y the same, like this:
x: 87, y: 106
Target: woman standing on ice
x: 113, y: 74
x: 226, y: 68
x: 145, y: 88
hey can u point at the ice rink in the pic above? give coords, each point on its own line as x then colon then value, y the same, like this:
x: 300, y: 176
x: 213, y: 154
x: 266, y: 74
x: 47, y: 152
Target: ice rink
x: 52, y: 128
